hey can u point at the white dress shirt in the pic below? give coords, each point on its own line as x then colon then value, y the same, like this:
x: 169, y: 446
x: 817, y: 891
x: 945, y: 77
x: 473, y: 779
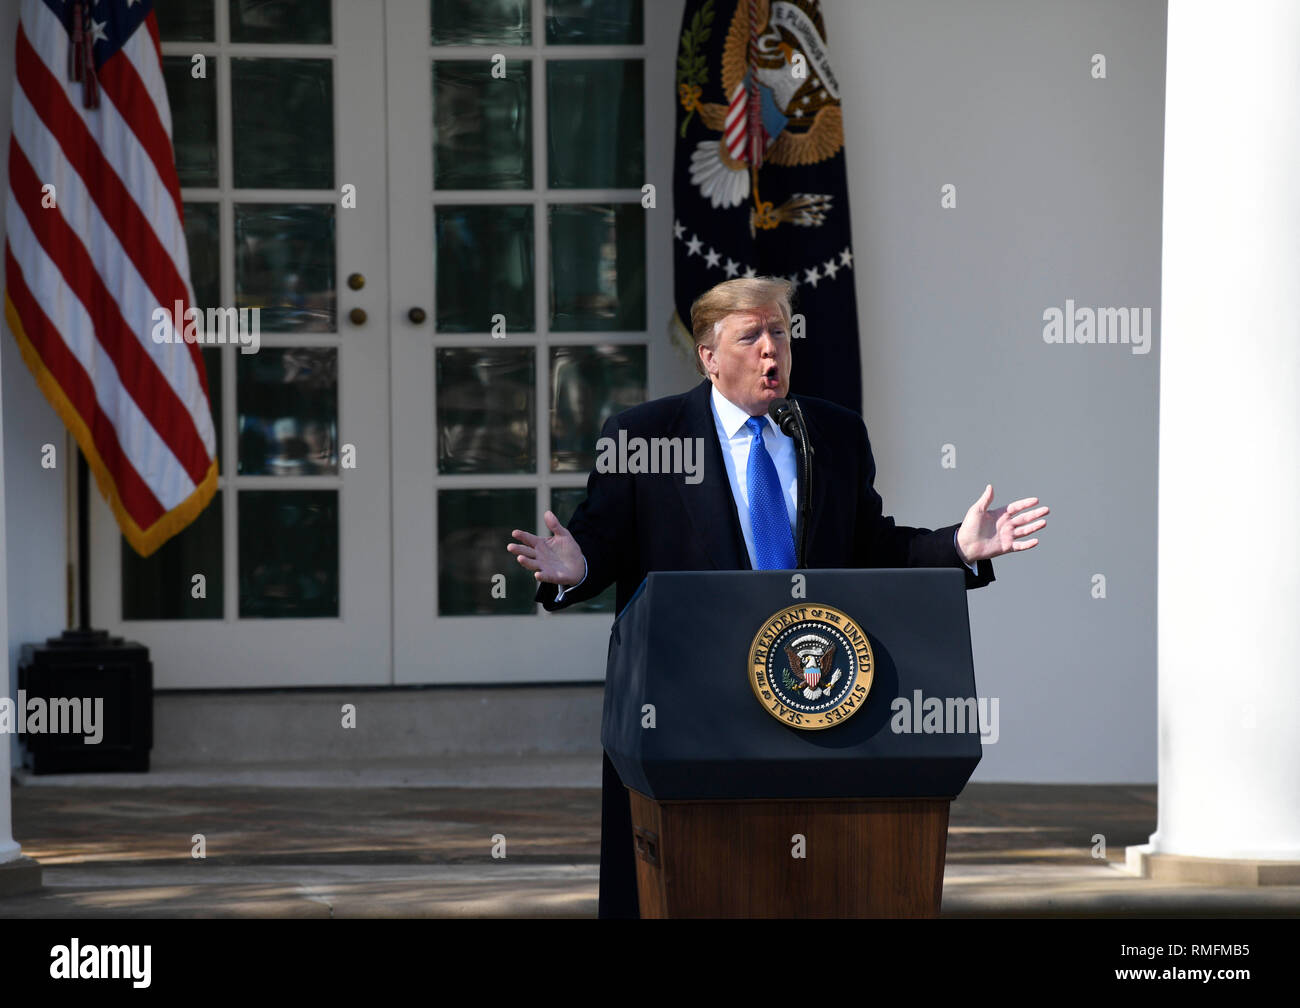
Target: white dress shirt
x: 729, y: 422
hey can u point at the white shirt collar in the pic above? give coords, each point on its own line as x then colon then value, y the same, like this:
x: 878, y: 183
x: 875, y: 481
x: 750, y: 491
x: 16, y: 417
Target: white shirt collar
x: 732, y: 416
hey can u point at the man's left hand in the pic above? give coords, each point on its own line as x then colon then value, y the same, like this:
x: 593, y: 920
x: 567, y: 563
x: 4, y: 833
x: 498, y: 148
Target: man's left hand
x: 987, y: 534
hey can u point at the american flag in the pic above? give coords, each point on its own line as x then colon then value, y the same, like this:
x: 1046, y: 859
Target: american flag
x: 95, y: 245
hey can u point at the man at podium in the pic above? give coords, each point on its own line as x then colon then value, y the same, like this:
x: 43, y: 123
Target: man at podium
x: 734, y: 506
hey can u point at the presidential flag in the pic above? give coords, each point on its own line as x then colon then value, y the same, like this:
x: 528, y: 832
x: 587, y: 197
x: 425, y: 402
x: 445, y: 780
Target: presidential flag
x: 95, y: 247
x: 759, y: 182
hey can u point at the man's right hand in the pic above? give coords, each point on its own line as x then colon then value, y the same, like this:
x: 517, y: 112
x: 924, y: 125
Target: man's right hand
x: 556, y: 558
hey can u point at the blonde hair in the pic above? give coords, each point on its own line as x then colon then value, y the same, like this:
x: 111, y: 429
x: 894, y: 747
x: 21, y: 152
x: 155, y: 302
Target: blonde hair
x: 741, y: 294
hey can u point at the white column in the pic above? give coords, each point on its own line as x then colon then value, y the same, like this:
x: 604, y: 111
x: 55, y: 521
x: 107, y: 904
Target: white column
x: 9, y: 850
x: 1229, y: 475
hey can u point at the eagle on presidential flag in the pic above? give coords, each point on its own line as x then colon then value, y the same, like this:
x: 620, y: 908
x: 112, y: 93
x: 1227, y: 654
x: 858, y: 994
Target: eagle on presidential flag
x: 759, y: 182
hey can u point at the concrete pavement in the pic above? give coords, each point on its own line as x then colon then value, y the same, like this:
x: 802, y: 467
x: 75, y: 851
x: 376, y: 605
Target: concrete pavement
x: 392, y: 839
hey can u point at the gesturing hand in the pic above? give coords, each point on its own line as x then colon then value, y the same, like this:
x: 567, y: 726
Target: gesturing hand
x: 557, y: 558
x: 986, y: 534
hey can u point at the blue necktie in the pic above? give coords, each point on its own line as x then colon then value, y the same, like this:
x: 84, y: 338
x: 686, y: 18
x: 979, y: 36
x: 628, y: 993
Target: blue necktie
x: 768, y: 518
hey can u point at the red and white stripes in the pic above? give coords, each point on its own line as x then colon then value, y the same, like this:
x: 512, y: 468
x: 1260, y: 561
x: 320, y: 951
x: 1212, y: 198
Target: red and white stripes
x: 88, y: 262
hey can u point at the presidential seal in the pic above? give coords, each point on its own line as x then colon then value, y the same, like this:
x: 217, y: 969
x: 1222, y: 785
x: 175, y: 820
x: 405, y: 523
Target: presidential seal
x: 811, y: 666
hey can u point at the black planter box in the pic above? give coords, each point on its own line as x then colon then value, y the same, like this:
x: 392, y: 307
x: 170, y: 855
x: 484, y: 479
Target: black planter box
x: 90, y: 665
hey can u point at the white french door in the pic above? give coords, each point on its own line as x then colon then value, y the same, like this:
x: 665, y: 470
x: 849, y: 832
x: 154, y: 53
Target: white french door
x: 285, y: 579
x: 519, y: 146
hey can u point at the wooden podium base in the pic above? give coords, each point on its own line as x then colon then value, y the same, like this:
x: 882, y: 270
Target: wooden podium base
x: 864, y: 857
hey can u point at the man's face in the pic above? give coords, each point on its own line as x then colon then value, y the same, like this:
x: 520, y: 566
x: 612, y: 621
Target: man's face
x: 750, y: 359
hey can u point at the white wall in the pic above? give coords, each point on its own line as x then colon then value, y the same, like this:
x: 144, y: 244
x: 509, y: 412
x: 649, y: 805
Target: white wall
x: 34, y: 497
x: 1058, y: 182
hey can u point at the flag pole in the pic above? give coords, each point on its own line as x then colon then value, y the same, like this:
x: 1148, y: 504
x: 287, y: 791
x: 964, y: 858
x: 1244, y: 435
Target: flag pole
x: 83, y: 544
x: 83, y: 636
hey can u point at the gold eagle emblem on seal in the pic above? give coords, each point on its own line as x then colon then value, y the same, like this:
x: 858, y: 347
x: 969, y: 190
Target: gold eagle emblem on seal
x: 811, y: 666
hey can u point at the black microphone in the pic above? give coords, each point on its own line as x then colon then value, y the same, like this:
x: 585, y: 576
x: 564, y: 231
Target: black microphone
x: 783, y: 415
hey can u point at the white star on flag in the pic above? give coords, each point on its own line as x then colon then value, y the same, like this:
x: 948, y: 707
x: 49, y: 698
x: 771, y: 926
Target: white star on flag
x: 812, y: 276
x: 750, y: 273
x: 846, y: 257
x: 732, y: 267
x: 712, y: 258
x: 678, y: 229
x: 97, y: 31
x: 829, y: 267
x: 693, y: 246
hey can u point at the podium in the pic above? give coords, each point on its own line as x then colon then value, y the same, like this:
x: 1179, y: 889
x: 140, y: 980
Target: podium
x: 738, y: 813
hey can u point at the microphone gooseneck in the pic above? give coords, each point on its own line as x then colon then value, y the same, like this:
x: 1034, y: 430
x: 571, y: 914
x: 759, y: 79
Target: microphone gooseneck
x: 787, y: 415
